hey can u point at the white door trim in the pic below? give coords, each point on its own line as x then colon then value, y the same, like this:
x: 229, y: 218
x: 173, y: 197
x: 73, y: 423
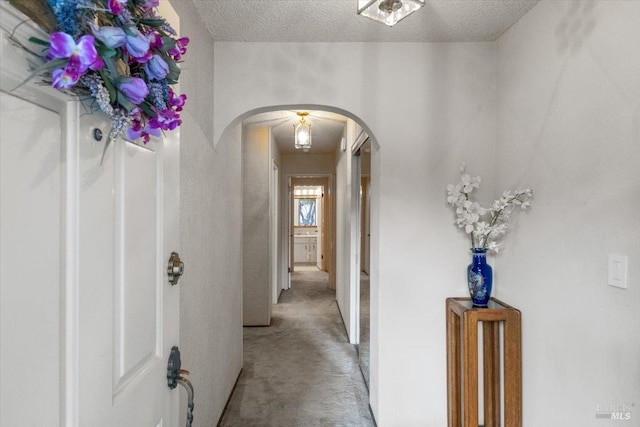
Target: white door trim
x: 12, y: 73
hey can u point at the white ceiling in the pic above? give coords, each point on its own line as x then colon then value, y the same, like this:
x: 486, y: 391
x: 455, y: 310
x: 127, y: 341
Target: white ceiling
x: 337, y: 21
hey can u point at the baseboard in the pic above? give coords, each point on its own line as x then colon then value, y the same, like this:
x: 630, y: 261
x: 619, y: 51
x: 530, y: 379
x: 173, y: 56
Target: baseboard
x: 344, y: 325
x: 226, y: 405
x: 373, y: 417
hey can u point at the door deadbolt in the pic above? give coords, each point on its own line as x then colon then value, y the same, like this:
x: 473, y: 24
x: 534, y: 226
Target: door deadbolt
x: 175, y: 268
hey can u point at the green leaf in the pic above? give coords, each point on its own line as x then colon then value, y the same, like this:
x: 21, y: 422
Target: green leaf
x: 152, y: 22
x: 174, y: 71
x: 167, y: 44
x: 146, y: 107
x: 41, y: 42
x: 128, y: 30
x: 109, y: 85
x: 47, y: 66
x: 124, y: 101
x: 105, y: 52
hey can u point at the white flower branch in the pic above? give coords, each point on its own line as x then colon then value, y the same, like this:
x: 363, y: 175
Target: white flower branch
x: 484, y: 226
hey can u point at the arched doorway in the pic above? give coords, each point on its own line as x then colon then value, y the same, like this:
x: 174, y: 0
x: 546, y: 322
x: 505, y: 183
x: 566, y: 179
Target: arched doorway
x: 344, y: 263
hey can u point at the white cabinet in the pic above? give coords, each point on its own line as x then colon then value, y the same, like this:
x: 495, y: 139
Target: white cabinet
x: 300, y: 249
x: 305, y: 249
x: 313, y: 251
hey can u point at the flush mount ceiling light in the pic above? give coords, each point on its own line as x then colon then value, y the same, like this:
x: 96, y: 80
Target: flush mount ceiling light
x: 388, y: 12
x: 302, y: 133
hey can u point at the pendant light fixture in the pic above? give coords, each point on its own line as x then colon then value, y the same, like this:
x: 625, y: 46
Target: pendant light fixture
x: 302, y: 133
x: 388, y: 12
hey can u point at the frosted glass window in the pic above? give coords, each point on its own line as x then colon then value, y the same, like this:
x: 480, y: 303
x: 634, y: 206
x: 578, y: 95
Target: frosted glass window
x: 306, y: 212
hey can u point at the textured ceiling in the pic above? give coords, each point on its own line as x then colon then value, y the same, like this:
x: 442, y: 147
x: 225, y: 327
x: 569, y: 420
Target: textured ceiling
x: 326, y: 129
x: 337, y: 21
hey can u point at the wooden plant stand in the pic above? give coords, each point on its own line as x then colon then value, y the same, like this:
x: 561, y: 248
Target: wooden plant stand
x: 462, y: 363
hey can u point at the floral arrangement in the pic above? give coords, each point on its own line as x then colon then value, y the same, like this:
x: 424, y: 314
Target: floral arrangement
x: 117, y: 53
x: 484, y: 225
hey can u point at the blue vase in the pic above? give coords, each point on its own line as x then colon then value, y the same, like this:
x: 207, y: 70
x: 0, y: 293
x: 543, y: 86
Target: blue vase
x: 480, y: 278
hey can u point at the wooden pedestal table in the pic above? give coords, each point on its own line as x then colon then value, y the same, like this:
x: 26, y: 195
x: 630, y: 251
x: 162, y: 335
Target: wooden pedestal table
x: 462, y: 363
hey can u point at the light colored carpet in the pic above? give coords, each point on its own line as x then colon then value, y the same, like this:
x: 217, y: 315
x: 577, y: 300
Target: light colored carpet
x: 300, y: 371
x: 302, y: 267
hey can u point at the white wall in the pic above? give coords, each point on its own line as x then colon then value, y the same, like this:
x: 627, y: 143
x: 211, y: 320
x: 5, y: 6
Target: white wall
x: 446, y: 116
x: 211, y: 226
x: 569, y: 125
x: 256, y: 169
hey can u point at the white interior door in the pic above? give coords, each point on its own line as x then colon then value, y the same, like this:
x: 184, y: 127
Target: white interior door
x: 88, y: 314
x: 125, y: 318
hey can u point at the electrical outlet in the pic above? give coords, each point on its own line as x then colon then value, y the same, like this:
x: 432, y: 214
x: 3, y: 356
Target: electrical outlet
x: 618, y: 271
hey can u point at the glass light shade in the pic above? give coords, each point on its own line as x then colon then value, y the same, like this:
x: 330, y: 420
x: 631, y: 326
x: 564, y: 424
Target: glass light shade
x: 302, y: 135
x: 388, y: 12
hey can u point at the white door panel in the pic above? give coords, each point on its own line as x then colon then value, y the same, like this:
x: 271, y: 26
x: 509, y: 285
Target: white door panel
x: 138, y: 290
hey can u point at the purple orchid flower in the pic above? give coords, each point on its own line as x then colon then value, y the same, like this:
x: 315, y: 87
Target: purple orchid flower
x: 112, y: 37
x: 155, y: 41
x: 97, y: 64
x: 135, y: 89
x: 150, y: 4
x: 156, y: 68
x: 116, y: 6
x: 82, y: 55
x: 136, y: 132
x: 138, y: 129
x: 179, y: 49
x: 64, y: 78
x: 177, y: 102
x: 165, y: 120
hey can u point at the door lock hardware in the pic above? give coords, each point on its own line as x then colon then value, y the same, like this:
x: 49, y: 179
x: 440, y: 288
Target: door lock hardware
x: 174, y: 377
x: 175, y: 268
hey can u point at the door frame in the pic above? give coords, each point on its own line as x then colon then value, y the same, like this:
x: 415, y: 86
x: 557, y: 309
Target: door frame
x: 274, y: 235
x: 328, y: 216
x: 356, y: 220
x: 12, y: 73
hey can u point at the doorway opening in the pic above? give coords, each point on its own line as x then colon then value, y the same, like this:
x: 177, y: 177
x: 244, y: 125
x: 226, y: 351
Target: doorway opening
x: 323, y: 214
x: 308, y: 225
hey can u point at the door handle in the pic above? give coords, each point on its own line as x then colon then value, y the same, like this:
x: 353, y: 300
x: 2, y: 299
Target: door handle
x: 174, y: 377
x: 189, y: 387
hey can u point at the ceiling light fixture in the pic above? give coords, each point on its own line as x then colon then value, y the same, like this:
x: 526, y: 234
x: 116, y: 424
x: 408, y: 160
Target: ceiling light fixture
x: 302, y: 133
x: 388, y: 12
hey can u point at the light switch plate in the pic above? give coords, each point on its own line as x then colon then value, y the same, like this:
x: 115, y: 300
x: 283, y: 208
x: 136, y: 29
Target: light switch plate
x: 618, y: 270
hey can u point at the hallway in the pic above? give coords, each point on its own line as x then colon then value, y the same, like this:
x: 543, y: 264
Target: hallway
x: 300, y: 371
